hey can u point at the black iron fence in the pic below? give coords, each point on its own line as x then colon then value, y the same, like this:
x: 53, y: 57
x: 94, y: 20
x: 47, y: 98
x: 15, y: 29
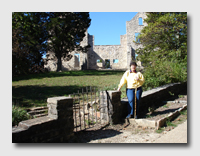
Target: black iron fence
x: 89, y: 105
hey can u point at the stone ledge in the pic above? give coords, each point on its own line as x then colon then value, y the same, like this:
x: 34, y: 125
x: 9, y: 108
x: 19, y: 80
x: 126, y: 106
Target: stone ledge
x: 154, y: 90
x: 143, y: 122
x: 46, y: 128
x: 26, y: 124
x: 155, y: 96
x: 157, y: 89
x: 55, y: 100
x: 171, y: 116
x: 156, y: 123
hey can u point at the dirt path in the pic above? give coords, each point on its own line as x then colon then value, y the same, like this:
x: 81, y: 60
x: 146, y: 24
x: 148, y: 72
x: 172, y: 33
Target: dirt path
x: 125, y: 136
x: 122, y: 133
x: 134, y: 135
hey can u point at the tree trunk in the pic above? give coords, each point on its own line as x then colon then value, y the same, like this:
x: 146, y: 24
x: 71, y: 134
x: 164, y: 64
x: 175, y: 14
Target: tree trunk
x: 59, y: 64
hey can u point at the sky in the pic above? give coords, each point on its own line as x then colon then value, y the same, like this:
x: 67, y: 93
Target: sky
x: 108, y: 26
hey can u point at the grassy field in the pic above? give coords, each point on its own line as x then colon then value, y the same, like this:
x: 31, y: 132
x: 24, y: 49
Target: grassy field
x: 33, y: 90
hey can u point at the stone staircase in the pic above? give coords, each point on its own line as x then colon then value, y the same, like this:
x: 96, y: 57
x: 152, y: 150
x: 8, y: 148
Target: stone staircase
x: 158, y: 123
x: 38, y: 111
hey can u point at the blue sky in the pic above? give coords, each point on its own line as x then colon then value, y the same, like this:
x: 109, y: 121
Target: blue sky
x: 108, y: 26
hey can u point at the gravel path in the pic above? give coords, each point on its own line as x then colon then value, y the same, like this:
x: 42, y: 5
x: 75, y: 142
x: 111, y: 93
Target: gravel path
x: 122, y: 133
x: 136, y: 135
x: 129, y: 137
x: 118, y: 134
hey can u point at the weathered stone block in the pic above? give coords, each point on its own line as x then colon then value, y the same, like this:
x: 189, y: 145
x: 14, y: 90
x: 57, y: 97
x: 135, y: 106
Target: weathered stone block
x: 56, y: 127
x: 33, y: 122
x: 143, y: 122
x: 110, y: 107
x: 60, y: 107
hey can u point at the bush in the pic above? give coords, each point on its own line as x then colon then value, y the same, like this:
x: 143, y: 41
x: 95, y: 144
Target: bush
x: 164, y: 73
x: 18, y: 115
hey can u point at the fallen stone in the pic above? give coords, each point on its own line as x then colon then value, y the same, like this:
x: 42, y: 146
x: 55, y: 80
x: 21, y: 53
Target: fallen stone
x: 143, y: 122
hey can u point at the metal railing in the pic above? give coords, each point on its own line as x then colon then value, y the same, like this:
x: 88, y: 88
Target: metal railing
x: 87, y: 108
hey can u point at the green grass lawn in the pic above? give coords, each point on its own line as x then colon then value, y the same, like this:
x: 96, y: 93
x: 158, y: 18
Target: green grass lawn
x: 33, y: 90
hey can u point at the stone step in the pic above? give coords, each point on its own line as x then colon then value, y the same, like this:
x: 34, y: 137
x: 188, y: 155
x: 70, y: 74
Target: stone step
x: 38, y: 111
x: 176, y: 101
x: 34, y: 112
x: 40, y: 115
x: 36, y: 108
x: 143, y: 122
x: 155, y: 123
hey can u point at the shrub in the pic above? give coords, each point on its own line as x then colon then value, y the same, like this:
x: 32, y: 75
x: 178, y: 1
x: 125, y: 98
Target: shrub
x: 163, y: 73
x: 18, y: 115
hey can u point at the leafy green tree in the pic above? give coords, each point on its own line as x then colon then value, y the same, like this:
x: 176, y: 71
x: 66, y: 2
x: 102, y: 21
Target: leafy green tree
x: 66, y: 31
x: 28, y: 41
x: 34, y: 32
x: 164, y: 48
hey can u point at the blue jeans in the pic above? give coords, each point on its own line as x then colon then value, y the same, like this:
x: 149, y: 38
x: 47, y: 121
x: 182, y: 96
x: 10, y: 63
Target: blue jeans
x: 131, y: 100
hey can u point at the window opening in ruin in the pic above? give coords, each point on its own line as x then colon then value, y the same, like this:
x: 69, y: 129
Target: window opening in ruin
x: 77, y: 60
x: 115, y: 60
x: 140, y: 21
x: 107, y: 63
x: 136, y: 37
x: 136, y: 56
x: 99, y: 61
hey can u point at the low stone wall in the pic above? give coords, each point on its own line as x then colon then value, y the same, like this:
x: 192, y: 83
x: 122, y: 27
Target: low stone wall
x: 58, y: 126
x: 114, y: 109
x: 154, y: 97
x: 111, y: 106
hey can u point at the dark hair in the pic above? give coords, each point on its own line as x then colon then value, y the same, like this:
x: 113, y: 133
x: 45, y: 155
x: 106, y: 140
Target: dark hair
x: 133, y: 63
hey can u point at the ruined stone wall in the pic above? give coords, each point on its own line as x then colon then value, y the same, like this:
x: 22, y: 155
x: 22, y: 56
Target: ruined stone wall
x: 57, y: 127
x: 155, y: 97
x: 111, y: 106
x: 133, y: 27
x: 120, y: 56
x: 77, y: 62
x: 115, y: 53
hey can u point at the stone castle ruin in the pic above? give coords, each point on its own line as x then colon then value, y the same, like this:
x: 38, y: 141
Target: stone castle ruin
x: 116, y: 57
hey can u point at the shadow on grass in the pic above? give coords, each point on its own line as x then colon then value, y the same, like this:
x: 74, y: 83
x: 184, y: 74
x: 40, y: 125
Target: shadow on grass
x: 67, y: 73
x: 34, y: 96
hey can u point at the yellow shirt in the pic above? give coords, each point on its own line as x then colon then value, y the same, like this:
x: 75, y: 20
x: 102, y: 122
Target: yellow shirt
x: 129, y: 79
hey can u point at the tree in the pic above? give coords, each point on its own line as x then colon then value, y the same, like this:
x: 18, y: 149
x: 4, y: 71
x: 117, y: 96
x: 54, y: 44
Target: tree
x: 164, y: 47
x: 66, y: 31
x: 28, y: 41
